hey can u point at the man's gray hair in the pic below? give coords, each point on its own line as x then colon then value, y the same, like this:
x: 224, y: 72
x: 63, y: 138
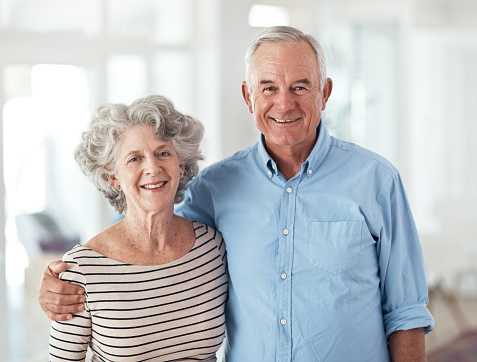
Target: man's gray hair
x: 99, y: 149
x: 286, y: 34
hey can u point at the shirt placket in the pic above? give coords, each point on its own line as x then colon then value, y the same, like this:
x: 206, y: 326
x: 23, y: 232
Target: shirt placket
x: 284, y: 270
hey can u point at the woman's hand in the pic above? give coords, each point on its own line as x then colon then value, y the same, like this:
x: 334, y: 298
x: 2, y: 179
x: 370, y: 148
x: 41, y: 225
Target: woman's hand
x: 59, y: 299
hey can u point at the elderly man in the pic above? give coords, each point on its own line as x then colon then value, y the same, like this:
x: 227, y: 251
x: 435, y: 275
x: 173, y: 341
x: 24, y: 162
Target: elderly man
x: 324, y: 258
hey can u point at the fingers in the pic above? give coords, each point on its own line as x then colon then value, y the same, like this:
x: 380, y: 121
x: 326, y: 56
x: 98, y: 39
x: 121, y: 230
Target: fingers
x: 58, y: 312
x: 51, y: 283
x: 58, y: 317
x: 59, y: 299
x: 61, y: 307
x: 57, y: 267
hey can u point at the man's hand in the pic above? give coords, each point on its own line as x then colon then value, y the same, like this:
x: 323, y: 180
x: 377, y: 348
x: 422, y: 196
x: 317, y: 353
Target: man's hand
x: 59, y: 299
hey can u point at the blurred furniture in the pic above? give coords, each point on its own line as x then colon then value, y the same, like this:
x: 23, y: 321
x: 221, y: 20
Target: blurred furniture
x: 39, y: 233
x: 451, y: 257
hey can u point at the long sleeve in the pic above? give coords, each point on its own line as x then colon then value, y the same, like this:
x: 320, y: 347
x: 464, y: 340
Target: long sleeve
x: 69, y: 340
x: 403, y: 282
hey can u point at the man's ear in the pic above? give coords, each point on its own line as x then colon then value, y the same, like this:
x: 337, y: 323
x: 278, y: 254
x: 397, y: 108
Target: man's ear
x: 326, y: 92
x: 247, y: 96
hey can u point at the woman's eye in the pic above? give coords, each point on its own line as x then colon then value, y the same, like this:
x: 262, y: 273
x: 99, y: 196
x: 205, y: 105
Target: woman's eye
x: 165, y: 154
x: 133, y: 159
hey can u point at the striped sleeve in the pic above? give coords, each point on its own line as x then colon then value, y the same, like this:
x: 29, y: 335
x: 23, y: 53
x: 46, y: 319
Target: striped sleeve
x: 221, y: 245
x: 69, y: 340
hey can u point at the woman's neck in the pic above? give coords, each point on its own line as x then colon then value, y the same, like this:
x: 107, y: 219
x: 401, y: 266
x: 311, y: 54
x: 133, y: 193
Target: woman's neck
x: 150, y: 231
x: 156, y: 239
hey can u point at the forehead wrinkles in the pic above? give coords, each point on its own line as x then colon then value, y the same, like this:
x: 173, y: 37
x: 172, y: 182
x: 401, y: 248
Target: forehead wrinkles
x: 284, y: 62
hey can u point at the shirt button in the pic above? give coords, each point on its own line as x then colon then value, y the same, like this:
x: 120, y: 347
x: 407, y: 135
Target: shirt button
x: 269, y: 173
x: 285, y: 231
x: 273, y: 166
x: 283, y: 321
x: 310, y: 172
x: 283, y: 276
x: 289, y: 190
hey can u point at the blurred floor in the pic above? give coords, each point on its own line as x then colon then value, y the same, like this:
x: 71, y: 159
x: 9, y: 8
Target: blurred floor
x: 448, y: 326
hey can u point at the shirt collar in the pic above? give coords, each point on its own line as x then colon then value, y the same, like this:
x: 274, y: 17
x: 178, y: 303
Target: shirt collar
x: 267, y: 161
x: 313, y: 161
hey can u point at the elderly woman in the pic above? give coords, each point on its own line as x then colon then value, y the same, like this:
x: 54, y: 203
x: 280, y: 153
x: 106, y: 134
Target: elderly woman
x: 155, y: 283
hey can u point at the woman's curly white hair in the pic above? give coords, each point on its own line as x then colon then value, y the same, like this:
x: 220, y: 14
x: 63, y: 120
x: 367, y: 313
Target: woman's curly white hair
x: 99, y: 147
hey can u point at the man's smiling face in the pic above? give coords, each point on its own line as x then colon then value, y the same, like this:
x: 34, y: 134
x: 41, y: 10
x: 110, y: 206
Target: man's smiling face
x: 284, y: 95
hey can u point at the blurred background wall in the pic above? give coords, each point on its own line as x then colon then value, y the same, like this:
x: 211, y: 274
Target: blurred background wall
x: 405, y: 86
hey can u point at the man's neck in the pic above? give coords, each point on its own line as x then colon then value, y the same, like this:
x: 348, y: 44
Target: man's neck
x: 289, y: 159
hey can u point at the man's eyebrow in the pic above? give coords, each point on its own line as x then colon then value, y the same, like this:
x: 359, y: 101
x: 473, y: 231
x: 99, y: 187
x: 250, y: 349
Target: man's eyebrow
x: 265, y: 81
x: 304, y: 81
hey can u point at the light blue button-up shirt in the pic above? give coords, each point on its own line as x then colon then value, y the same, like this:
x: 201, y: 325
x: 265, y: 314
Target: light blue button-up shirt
x: 322, y: 267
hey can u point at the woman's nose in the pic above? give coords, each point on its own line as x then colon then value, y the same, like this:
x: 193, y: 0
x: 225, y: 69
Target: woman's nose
x: 153, y: 166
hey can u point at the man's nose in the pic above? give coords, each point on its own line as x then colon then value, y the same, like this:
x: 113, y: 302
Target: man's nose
x: 285, y: 101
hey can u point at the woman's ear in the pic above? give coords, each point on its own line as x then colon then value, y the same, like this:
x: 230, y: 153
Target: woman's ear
x: 112, y: 180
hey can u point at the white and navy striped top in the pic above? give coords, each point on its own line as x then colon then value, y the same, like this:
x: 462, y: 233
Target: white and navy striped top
x: 168, y: 312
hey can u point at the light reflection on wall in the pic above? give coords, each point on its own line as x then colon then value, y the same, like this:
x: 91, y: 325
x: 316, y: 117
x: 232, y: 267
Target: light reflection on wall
x: 40, y: 132
x: 268, y: 15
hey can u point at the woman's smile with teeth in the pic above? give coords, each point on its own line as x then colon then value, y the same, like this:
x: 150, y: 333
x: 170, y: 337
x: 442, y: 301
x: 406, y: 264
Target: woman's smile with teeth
x: 154, y: 186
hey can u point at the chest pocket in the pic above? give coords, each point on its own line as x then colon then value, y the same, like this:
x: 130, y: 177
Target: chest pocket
x: 335, y: 246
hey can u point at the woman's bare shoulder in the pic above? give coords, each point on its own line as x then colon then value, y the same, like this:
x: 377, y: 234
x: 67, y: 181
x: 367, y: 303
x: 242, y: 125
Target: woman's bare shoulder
x: 101, y: 243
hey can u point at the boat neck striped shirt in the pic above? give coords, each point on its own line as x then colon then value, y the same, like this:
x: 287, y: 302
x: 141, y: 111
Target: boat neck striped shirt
x: 168, y: 312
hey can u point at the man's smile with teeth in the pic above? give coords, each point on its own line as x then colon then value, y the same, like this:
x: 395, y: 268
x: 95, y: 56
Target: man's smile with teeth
x: 284, y: 120
x: 155, y: 186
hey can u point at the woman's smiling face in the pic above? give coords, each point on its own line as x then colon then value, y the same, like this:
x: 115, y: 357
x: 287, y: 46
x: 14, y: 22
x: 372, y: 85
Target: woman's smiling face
x: 148, y: 170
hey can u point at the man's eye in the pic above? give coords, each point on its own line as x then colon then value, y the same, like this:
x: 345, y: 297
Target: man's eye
x: 133, y: 159
x: 164, y: 154
x: 268, y: 89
